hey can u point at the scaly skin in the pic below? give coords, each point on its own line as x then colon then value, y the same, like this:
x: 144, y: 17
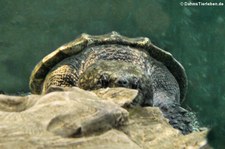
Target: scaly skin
x: 122, y: 66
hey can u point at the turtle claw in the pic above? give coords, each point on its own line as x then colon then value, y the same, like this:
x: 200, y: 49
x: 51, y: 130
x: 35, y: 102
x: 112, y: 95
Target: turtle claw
x: 180, y: 118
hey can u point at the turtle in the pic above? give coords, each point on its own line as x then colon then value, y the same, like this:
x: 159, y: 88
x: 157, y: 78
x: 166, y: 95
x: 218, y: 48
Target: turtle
x: 112, y: 60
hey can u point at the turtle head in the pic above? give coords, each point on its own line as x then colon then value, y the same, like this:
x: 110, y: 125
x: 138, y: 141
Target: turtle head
x: 104, y: 73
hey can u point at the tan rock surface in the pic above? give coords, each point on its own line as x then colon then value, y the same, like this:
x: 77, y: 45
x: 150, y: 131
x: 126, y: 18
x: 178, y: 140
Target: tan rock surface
x: 75, y: 118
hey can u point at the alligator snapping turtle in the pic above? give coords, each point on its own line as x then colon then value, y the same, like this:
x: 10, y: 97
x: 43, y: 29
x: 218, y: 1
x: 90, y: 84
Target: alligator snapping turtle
x: 112, y: 60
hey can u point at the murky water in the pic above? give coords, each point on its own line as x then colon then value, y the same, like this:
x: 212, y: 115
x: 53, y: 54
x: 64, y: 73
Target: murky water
x: 195, y: 35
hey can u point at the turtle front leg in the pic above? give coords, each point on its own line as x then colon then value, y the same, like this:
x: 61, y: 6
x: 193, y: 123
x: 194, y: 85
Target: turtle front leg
x: 178, y: 117
x: 60, y: 77
x: 166, y: 96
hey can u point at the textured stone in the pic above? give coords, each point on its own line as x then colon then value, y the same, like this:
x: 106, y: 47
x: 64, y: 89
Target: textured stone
x: 75, y: 118
x: 121, y: 96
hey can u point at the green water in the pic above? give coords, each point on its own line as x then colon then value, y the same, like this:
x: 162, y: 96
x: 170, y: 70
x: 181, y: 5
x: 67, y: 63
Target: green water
x: 195, y: 35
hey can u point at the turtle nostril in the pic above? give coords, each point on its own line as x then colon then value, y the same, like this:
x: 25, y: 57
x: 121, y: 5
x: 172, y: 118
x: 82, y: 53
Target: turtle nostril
x: 121, y: 82
x: 135, y: 83
x: 104, y: 80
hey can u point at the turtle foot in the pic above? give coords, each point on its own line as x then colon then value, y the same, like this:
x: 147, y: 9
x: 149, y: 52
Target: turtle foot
x: 180, y: 118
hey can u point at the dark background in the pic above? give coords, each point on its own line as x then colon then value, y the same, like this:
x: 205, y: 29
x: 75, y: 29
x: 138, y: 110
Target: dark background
x: 30, y: 29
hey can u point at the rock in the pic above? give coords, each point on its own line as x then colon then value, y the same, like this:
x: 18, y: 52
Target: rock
x: 149, y: 129
x: 121, y: 96
x: 74, y: 118
x: 17, y: 103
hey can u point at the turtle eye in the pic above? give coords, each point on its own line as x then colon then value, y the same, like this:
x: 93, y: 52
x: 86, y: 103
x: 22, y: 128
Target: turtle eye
x: 104, y: 80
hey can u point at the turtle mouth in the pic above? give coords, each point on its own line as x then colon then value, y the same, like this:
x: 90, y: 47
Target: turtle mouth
x: 105, y: 80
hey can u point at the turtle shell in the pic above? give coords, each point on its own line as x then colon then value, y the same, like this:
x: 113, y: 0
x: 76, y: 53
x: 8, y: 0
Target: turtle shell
x: 74, y: 47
